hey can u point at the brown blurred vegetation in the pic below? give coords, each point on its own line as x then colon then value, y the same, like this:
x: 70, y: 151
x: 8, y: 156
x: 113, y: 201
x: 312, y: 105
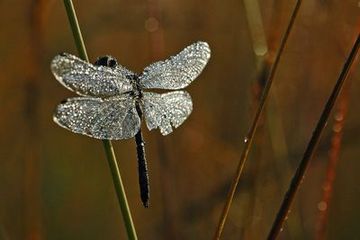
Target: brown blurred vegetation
x: 57, y: 185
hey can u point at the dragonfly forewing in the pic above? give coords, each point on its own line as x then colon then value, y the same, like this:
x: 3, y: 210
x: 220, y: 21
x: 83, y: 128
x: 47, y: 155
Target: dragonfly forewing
x: 178, y: 71
x: 86, y: 79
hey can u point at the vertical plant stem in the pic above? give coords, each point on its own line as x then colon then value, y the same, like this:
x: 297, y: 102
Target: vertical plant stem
x: 300, y: 171
x: 75, y: 28
x: 273, y: 117
x: 255, y: 23
x: 334, y: 155
x: 260, y: 49
x: 110, y: 155
x: 120, y: 191
x: 250, y: 136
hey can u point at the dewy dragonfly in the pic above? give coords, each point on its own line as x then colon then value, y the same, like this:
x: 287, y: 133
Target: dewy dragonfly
x: 113, y: 101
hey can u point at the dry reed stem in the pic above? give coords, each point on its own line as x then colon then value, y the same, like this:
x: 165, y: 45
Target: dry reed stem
x: 311, y: 147
x: 250, y: 137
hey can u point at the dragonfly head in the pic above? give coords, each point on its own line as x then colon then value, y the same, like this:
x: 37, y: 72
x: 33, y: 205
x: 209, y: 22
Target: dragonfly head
x: 107, y: 61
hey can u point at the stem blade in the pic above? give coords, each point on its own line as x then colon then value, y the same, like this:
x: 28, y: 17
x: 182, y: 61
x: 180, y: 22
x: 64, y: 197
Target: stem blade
x: 250, y: 136
x: 310, y: 149
x: 110, y: 154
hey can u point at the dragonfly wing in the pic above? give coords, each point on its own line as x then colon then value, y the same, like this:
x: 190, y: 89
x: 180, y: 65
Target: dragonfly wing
x: 166, y: 110
x: 113, y: 119
x: 86, y: 79
x: 178, y: 71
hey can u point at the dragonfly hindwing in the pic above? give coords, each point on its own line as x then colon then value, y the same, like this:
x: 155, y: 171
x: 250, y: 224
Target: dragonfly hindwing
x: 166, y: 110
x: 113, y: 118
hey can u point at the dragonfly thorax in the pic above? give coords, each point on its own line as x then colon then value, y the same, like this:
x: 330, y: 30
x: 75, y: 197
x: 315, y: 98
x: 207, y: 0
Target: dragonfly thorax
x: 109, y: 61
x: 135, y: 81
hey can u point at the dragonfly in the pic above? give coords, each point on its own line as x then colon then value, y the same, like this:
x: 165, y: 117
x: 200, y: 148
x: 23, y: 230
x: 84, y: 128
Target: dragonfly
x: 113, y: 100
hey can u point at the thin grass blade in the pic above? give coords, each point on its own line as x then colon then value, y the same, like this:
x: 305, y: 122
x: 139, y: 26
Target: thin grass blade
x: 250, y: 136
x: 110, y: 154
x: 300, y: 171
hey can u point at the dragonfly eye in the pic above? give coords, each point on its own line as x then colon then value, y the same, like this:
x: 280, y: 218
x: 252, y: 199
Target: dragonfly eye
x: 107, y: 61
x: 112, y: 62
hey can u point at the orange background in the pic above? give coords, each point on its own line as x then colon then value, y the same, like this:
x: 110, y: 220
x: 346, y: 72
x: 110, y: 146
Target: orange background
x: 57, y: 185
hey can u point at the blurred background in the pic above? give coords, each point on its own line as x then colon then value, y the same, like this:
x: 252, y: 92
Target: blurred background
x: 57, y: 185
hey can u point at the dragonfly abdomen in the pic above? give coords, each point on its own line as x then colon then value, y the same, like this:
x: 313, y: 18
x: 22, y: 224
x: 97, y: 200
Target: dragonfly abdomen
x: 142, y: 164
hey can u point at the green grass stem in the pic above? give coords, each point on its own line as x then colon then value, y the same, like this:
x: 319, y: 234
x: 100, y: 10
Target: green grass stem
x: 254, y: 19
x: 250, y: 136
x: 311, y: 147
x: 110, y: 155
x: 75, y: 28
